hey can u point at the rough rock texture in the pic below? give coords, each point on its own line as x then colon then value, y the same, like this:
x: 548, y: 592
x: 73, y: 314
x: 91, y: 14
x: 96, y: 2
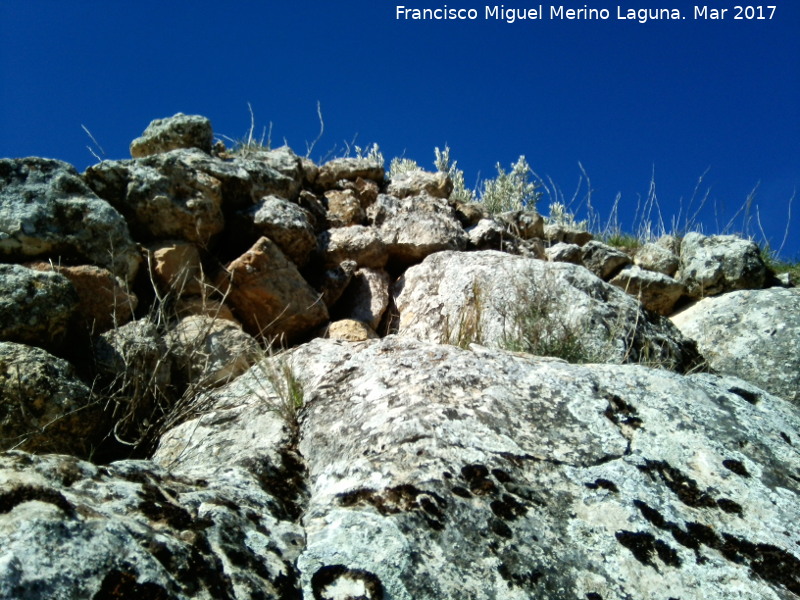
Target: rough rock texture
x: 44, y: 407
x: 656, y: 291
x: 177, y: 268
x: 47, y: 211
x: 73, y: 530
x: 348, y: 169
x: 350, y: 330
x: 559, y: 232
x: 286, y: 224
x: 366, y: 297
x: 211, y: 351
x: 180, y: 131
x: 656, y: 257
x: 602, y: 259
x: 361, y: 244
x: 414, y: 227
x: 525, y: 224
x: 502, y: 300
x: 417, y: 183
x: 712, y: 265
x: 344, y: 208
x: 453, y: 474
x: 36, y: 307
x: 561, y: 252
x: 753, y: 334
x: 269, y: 296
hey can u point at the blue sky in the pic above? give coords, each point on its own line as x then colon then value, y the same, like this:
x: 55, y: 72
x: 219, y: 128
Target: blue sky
x: 624, y: 99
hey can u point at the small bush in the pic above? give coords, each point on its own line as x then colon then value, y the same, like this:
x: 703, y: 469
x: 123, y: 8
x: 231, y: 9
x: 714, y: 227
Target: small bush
x: 510, y: 191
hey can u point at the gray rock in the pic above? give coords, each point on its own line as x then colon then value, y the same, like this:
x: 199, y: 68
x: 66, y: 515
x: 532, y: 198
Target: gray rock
x: 72, y: 530
x: 417, y: 183
x: 286, y: 224
x: 656, y: 291
x: 568, y: 253
x: 179, y: 131
x: 603, y: 260
x: 366, y: 298
x: 525, y: 224
x: 487, y: 234
x: 46, y: 211
x: 720, y: 263
x: 656, y: 257
x: 334, y: 281
x: 560, y: 232
x: 485, y: 474
x: 358, y: 243
x: 415, y: 227
x: 45, y: 407
x: 35, y: 307
x: 348, y: 169
x: 535, y: 306
x: 752, y: 334
x: 344, y: 209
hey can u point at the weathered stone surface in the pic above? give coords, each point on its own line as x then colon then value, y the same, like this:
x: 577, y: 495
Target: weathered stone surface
x: 359, y: 243
x: 286, y: 224
x: 671, y: 243
x: 350, y: 169
x: 103, y: 300
x: 485, y: 474
x: 35, y: 307
x: 418, y: 183
x: 72, y: 530
x: 486, y: 234
x: 210, y: 351
x: 269, y: 296
x: 366, y: 190
x: 559, y: 232
x: 344, y: 209
x: 568, y: 253
x: 753, y: 334
x: 656, y: 257
x: 542, y: 307
x: 350, y: 330
x: 46, y: 211
x: 656, y: 291
x: 177, y: 267
x: 44, y: 407
x: 334, y: 281
x: 469, y: 213
x: 525, y: 224
x: 719, y: 263
x: 602, y: 259
x: 179, y: 131
x: 366, y: 298
x: 415, y: 227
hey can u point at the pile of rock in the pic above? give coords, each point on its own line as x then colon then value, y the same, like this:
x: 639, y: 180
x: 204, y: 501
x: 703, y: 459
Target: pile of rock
x: 428, y: 448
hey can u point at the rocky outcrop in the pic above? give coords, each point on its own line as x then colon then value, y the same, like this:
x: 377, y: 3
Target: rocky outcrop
x: 720, y: 263
x: 545, y: 308
x: 180, y: 131
x: 46, y: 211
x: 656, y: 291
x: 286, y: 224
x: 752, y: 334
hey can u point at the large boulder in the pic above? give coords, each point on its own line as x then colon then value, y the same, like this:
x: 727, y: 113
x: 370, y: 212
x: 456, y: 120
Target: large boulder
x: 36, y: 307
x: 555, y: 309
x: 73, y: 530
x: 753, y: 334
x: 712, y: 265
x: 269, y: 296
x: 47, y: 211
x: 179, y: 131
x: 44, y: 406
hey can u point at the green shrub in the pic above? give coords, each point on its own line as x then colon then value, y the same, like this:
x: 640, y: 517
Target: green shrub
x: 512, y: 190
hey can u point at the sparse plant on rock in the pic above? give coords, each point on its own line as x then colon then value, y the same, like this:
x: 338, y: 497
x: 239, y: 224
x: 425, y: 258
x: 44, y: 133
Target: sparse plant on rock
x: 510, y: 191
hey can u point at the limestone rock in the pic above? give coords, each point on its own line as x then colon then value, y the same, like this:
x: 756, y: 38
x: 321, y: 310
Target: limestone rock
x: 35, y: 307
x: 176, y: 266
x: 269, y: 296
x: 752, y: 334
x: 210, y: 351
x: 73, y: 530
x: 486, y: 234
x: 366, y: 298
x: 361, y: 244
x: 344, y: 209
x: 656, y: 291
x: 350, y: 330
x: 485, y: 474
x: 44, y: 407
x: 568, y: 253
x: 719, y: 263
x: 46, y: 211
x: 179, y: 131
x: 559, y: 232
x: 536, y: 306
x: 103, y: 300
x: 602, y: 259
x: 349, y: 169
x: 656, y: 257
x: 286, y: 224
x: 525, y: 224
x: 334, y: 281
x: 418, y: 183
x: 415, y: 227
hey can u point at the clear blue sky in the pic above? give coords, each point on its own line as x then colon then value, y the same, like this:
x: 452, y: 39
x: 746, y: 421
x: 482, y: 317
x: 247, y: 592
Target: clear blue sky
x: 623, y: 98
